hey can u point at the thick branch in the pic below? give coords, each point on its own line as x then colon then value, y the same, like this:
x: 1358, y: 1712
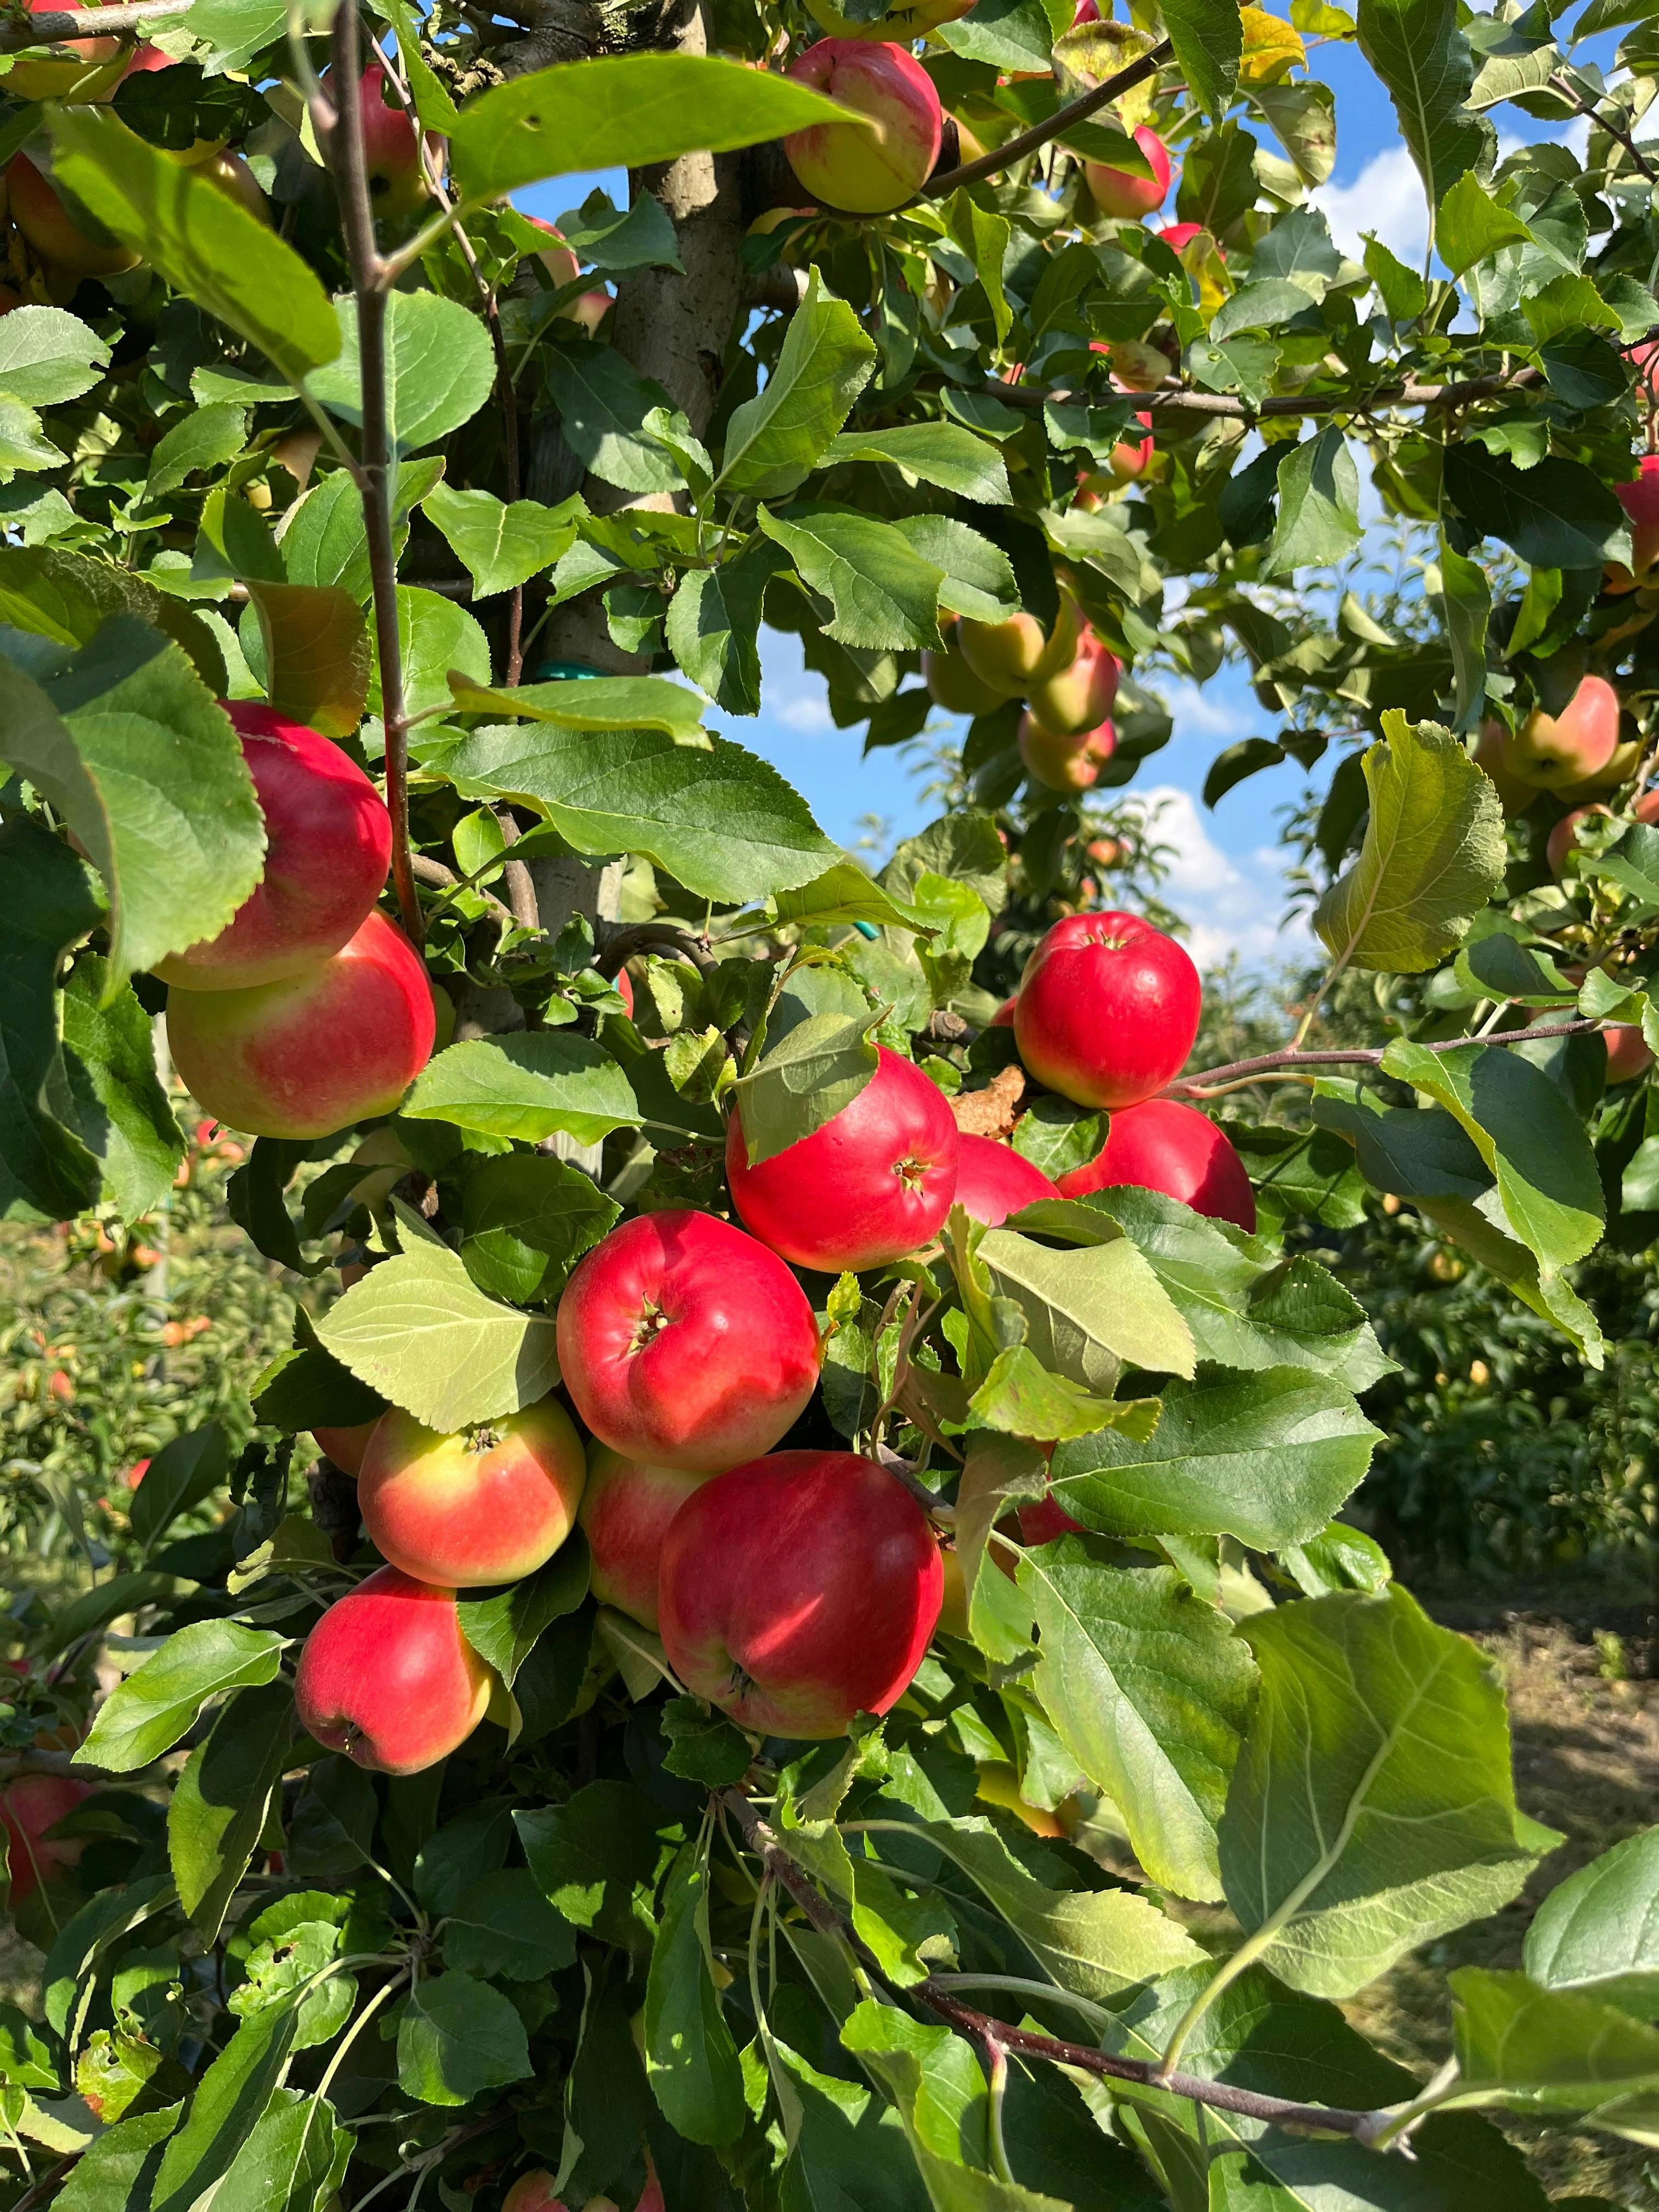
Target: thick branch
x: 621, y: 944
x: 1176, y: 398
x: 1027, y: 142
x: 51, y: 26
x: 1195, y: 1086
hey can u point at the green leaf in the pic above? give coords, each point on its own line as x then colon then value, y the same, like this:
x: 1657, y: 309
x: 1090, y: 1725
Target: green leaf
x: 690, y: 2060
x: 532, y: 1084
x: 319, y: 659
x: 625, y: 110
x: 500, y: 546
x: 980, y: 232
x: 979, y: 577
x: 1010, y: 35
x: 502, y: 1625
x: 940, y: 453
x: 1319, y: 520
x: 231, y: 2096
x: 1266, y: 1457
x: 775, y: 442
x: 1598, y: 1931
x: 48, y: 1172
x: 205, y: 438
x: 525, y: 1214
x: 323, y: 541
x: 438, y: 641
x: 594, y: 1857
x: 418, y: 1330
x: 440, y: 367
x: 843, y: 893
x: 1526, y: 1131
x: 1553, y: 2051
x: 594, y: 702
x: 1021, y: 1397
x: 504, y: 1927
x: 293, y: 2159
x: 1434, y: 852
x: 1471, y: 225
x: 457, y: 2038
x: 23, y: 443
x: 121, y: 1111
x: 1208, y: 41
x: 182, y: 1475
x: 1419, y: 50
x: 146, y: 769
x: 1372, y: 1807
x: 720, y: 821
x: 605, y: 413
x: 806, y: 1078
x: 641, y: 236
x: 713, y: 626
x: 120, y: 2167
x: 885, y: 593
x: 1149, y: 1690
x: 1088, y: 1311
x: 47, y: 357
x: 218, y: 1807
x: 1556, y: 515
x: 703, y: 1744
x: 1405, y: 296
x: 201, y: 239
x: 147, y: 1714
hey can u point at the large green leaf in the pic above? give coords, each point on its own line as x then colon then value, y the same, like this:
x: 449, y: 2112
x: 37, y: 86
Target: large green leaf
x: 691, y: 2059
x: 48, y: 1172
x: 536, y: 1083
x: 1373, y: 1807
x: 201, y: 239
x: 1555, y: 2051
x: 1089, y: 1311
x: 1319, y: 520
x: 319, y: 659
x: 499, y: 545
x: 217, y: 1810
x: 1419, y: 50
x: 885, y: 593
x: 594, y: 703
x: 523, y: 1214
x: 457, y: 2037
x: 775, y: 440
x: 439, y: 368
x: 1149, y: 1690
x: 1598, y: 1931
x: 47, y: 357
x: 605, y: 417
x: 817, y: 1068
x: 1556, y: 514
x: 941, y: 453
x: 624, y: 110
x: 147, y: 1714
x: 1208, y: 37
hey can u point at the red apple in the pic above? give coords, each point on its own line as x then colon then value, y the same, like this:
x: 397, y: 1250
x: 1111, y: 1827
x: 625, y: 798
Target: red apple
x: 346, y: 1447
x: 1640, y: 500
x: 1627, y: 1054
x: 534, y: 2193
x: 1080, y: 697
x: 489, y: 1505
x: 686, y: 1344
x: 1563, y: 838
x: 1164, y: 1145
x: 387, y: 1677
x: 1117, y: 193
x: 1043, y: 1520
x: 1640, y: 497
x: 588, y: 308
x: 625, y: 1512
x: 1108, y: 1008
x: 1064, y: 763
x: 39, y: 213
x: 29, y: 1805
x: 1175, y: 235
x: 328, y: 844
x: 1555, y: 751
x: 1008, y: 656
x: 1004, y: 1017
x: 79, y: 69
x: 799, y: 1591
x: 339, y: 1044
x: 848, y: 168
x: 873, y: 1183
x: 993, y: 1180
x: 392, y: 150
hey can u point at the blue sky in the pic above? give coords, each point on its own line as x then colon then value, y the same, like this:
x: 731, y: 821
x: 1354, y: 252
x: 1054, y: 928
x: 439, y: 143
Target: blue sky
x: 1226, y: 878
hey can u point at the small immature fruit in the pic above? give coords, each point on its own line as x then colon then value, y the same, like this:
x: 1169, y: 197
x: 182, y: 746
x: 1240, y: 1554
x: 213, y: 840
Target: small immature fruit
x: 843, y: 165
x: 686, y: 1344
x: 328, y: 844
x: 993, y: 1180
x: 1064, y: 763
x: 1117, y: 193
x: 873, y: 1183
x: 346, y: 1447
x: 1008, y: 656
x: 1108, y: 1008
x: 387, y: 1678
x: 799, y: 1591
x: 28, y: 1806
x: 489, y: 1505
x: 1165, y: 1145
x: 336, y: 1044
x: 1556, y: 750
x: 80, y: 70
x: 38, y: 209
x: 1080, y: 697
x: 625, y: 1511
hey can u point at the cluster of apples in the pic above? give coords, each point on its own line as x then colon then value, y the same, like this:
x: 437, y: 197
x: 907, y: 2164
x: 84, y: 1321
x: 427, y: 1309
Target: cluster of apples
x: 1066, y: 675
x: 310, y: 1010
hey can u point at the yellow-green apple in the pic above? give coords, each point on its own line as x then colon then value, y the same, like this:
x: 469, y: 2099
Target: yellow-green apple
x: 37, y: 208
x: 230, y: 174
x: 1062, y: 763
x: 625, y: 1511
x: 874, y: 1182
x: 898, y: 27
x: 1513, y: 796
x: 328, y: 842
x: 1107, y: 1011
x: 1008, y: 656
x: 953, y: 683
x: 1116, y: 193
x: 994, y: 1180
x: 339, y: 1043
x: 387, y: 1678
x: 80, y: 70
x: 490, y: 1504
x: 1563, y: 838
x: 30, y: 1807
x: 849, y: 167
x: 799, y: 1591
x: 1555, y: 750
x: 1079, y: 696
x: 346, y: 1447
x: 1164, y: 1145
x: 1627, y: 1054
x: 686, y: 1344
x: 1620, y: 768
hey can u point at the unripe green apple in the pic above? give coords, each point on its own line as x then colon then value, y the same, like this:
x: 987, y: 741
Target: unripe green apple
x: 230, y: 174
x: 1555, y: 750
x: 1010, y: 656
x: 953, y: 683
x: 847, y: 167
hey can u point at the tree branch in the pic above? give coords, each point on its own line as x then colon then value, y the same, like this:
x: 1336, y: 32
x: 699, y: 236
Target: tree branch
x: 1193, y: 1087
x: 1027, y: 142
x: 51, y: 26
x: 1176, y: 398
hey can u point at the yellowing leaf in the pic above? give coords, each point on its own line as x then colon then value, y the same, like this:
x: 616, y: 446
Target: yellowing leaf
x: 1273, y: 48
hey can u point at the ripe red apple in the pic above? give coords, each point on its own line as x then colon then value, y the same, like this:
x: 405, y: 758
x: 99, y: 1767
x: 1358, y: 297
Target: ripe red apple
x: 953, y: 683
x: 1064, y: 763
x: 1640, y: 497
x: 1175, y: 235
x: 38, y: 212
x: 845, y: 166
x: 346, y: 1447
x: 1555, y: 751
x: 328, y: 844
x: 80, y: 70
x: 489, y: 1505
x: 1563, y: 838
x: 392, y: 150
x: 534, y: 2193
x: 1165, y: 1145
x: 1108, y: 1008
x: 686, y: 1344
x: 339, y: 1043
x: 873, y: 1183
x: 993, y: 1180
x: 387, y: 1677
x: 1008, y: 656
x: 799, y: 1591
x: 625, y: 1511
x: 29, y: 1805
x: 1079, y: 698
x: 1627, y: 1054
x: 1117, y: 193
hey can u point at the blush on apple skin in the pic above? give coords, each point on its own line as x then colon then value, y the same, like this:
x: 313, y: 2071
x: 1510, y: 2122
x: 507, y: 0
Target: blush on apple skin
x: 1107, y: 1010
x: 489, y: 1505
x: 387, y: 1678
x: 1127, y: 198
x: 1079, y: 698
x: 873, y: 1183
x: 28, y: 1806
x: 799, y: 1591
x: 684, y: 1343
x: 1064, y: 763
x: 1165, y: 1145
x: 625, y: 1513
x: 346, y: 1447
x: 993, y: 1180
x: 841, y: 164
x: 1555, y: 751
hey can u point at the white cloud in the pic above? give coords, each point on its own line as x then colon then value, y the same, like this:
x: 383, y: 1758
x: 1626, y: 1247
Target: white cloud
x: 805, y: 715
x: 1386, y: 198
x: 1231, y: 904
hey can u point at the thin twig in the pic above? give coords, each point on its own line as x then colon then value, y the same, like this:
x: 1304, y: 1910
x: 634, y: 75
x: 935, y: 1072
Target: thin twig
x: 51, y: 26
x: 1591, y: 110
x: 1176, y: 398
x: 1027, y: 142
x: 1192, y: 1086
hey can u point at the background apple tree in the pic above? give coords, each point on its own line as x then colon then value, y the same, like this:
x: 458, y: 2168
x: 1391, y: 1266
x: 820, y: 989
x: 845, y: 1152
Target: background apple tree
x: 1073, y: 1924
